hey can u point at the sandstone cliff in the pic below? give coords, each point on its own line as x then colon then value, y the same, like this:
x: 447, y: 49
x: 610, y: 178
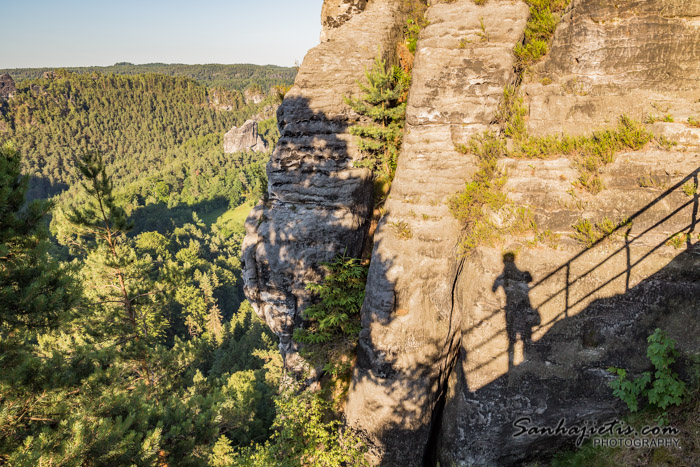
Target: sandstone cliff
x: 455, y: 348
x: 7, y: 86
x: 319, y: 204
x: 245, y: 138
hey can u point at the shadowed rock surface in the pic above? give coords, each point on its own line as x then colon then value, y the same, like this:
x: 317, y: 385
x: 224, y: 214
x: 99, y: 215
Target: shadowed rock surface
x: 454, y: 349
x: 7, y: 86
x: 319, y: 204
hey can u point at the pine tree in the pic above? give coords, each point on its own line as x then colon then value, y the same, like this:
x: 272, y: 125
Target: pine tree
x: 36, y: 296
x: 34, y: 292
x: 117, y: 280
x: 383, y: 102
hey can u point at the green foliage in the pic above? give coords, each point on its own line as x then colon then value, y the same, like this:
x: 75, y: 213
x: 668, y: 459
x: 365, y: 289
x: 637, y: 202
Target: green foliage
x: 589, y: 233
x: 655, y: 118
x: 662, y: 388
x: 544, y: 16
x: 148, y: 371
x: 415, y: 22
x: 336, y: 316
x: 591, y: 152
x: 34, y: 291
x: 694, y: 121
x: 690, y: 189
x: 483, y: 207
x: 402, y: 229
x: 236, y: 77
x: 678, y: 240
x: 413, y: 29
x: 145, y: 125
x: 383, y: 103
x: 511, y: 113
x: 303, y: 437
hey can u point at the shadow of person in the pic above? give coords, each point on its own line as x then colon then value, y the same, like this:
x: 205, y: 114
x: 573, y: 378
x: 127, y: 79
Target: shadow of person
x: 520, y: 316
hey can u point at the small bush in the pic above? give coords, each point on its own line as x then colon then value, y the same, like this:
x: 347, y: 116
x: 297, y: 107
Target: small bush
x: 544, y: 16
x: 663, y: 388
x: 694, y: 121
x: 402, y: 230
x: 690, y: 189
x: 589, y: 233
x: 678, y: 241
x: 336, y: 316
x: 511, y: 114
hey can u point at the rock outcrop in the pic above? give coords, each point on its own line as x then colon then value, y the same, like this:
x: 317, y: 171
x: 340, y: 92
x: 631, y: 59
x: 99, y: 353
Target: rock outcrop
x: 319, y: 204
x: 245, y: 138
x: 591, y: 308
x: 455, y: 349
x: 253, y: 95
x: 410, y: 319
x: 335, y: 13
x: 7, y: 86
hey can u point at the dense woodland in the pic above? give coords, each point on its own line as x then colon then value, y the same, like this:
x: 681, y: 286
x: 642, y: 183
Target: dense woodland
x: 231, y: 77
x: 147, y: 127
x: 124, y: 336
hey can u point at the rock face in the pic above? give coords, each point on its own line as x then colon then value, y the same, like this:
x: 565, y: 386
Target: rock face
x: 319, y: 204
x: 335, y: 13
x: 253, y: 95
x: 609, y: 58
x: 537, y: 334
x: 7, y: 87
x: 245, y: 138
x: 410, y: 318
x: 455, y: 349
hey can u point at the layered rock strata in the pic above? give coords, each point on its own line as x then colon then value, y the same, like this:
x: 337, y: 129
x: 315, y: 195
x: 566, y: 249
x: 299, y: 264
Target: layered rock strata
x: 539, y: 332
x: 531, y: 333
x: 456, y: 349
x: 319, y: 204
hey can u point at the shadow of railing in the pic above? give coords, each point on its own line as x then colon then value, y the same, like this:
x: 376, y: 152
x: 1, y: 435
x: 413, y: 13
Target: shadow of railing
x: 585, y: 332
x: 629, y: 241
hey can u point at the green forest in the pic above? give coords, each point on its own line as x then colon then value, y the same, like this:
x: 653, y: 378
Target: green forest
x: 124, y: 335
x: 231, y: 77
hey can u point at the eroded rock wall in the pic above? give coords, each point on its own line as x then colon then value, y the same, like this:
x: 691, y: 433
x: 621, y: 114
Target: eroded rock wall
x: 637, y: 57
x: 538, y: 333
x: 409, y: 317
x: 318, y: 204
x: 454, y: 349
x: 530, y: 337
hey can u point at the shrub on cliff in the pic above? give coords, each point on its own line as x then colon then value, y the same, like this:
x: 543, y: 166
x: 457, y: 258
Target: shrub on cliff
x: 383, y: 103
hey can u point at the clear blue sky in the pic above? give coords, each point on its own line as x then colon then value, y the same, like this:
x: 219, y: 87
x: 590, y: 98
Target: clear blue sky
x: 52, y: 33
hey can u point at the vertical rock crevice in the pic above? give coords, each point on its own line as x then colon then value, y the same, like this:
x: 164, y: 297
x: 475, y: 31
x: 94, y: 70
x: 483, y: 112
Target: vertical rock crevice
x: 411, y: 315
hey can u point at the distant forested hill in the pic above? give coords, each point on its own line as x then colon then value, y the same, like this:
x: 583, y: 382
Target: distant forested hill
x: 142, y: 124
x: 230, y: 77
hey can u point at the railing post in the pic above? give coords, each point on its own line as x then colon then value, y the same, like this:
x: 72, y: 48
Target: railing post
x: 694, y: 220
x: 568, y: 274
